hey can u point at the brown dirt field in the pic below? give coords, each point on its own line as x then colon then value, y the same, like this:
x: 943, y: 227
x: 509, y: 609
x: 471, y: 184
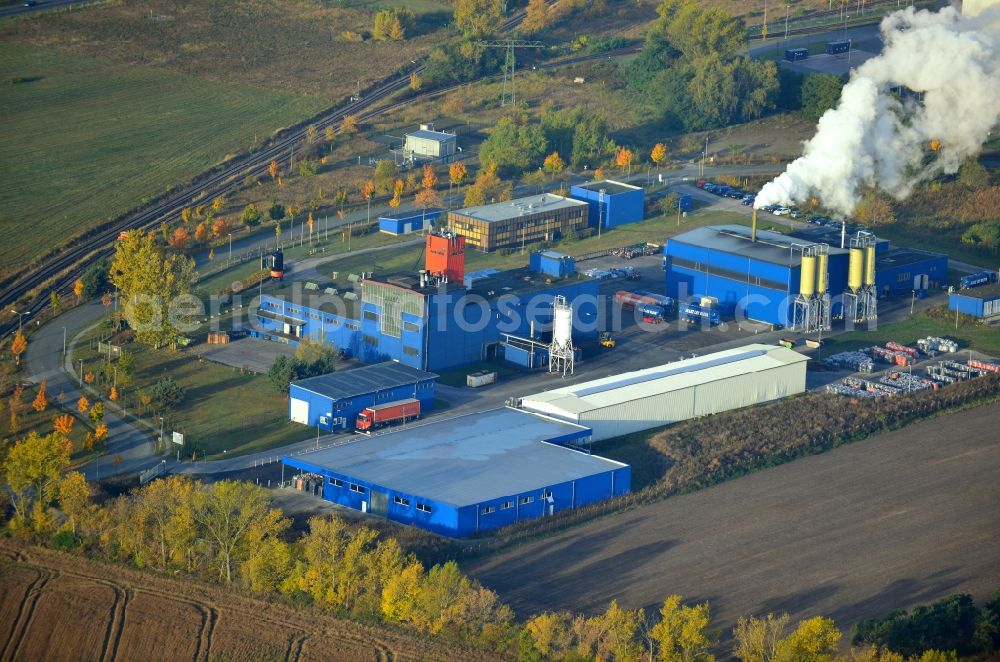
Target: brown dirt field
x: 56, y: 606
x: 895, y: 521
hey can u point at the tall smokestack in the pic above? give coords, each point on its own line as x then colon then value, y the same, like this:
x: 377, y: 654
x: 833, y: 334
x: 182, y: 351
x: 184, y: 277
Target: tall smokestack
x: 753, y: 226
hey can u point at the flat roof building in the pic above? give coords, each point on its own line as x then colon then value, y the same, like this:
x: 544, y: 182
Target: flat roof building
x: 467, y: 474
x: 643, y: 399
x: 426, y: 144
x: 982, y: 302
x: 611, y: 203
x: 516, y: 223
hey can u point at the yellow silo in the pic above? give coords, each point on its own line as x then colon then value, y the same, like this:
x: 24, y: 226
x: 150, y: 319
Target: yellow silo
x: 822, y: 274
x: 869, y: 265
x: 855, y: 269
x: 807, y: 279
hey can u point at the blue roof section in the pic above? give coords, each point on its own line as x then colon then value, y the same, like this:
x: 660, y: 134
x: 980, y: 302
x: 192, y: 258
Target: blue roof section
x: 467, y: 459
x: 412, y: 213
x: 772, y: 247
x: 366, y: 379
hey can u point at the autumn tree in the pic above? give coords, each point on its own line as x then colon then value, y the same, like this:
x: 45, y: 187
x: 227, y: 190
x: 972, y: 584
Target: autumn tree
x: 682, y: 633
x: 658, y: 154
x: 624, y: 159
x: 487, y: 187
x: 78, y: 289
x: 83, y: 404
x: 478, y: 18
x: 32, y: 471
x: 41, y: 401
x: 329, y: 134
x: 74, y: 498
x: 875, y: 208
x: 427, y: 198
x: 553, y: 164
x: 272, y: 169
x: 537, y: 17
x: 150, y: 281
x: 186, y: 215
x: 220, y: 227
x: 179, y: 239
x: 113, y: 394
x: 416, y: 82
x: 97, y: 412
x: 101, y: 432
x: 63, y: 424
x: 251, y: 215
x: 598, y: 174
x: 367, y: 193
x: 391, y: 24
x: 397, y: 192
x: 552, y: 635
x: 201, y: 233
x: 54, y: 300
x: 765, y: 639
x: 457, y: 172
x: 430, y: 178
x: 349, y: 124
x: 235, y: 516
x: 18, y: 346
x: 219, y: 202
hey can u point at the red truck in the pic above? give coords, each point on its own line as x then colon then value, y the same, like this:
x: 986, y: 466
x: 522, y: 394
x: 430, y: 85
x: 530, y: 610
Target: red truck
x: 387, y: 414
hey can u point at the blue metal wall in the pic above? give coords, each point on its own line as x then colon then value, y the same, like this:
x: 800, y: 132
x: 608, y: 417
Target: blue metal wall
x: 405, y: 224
x: 618, y: 208
x: 349, y: 408
x: 970, y: 305
x: 890, y: 279
x: 449, y: 343
x: 459, y: 522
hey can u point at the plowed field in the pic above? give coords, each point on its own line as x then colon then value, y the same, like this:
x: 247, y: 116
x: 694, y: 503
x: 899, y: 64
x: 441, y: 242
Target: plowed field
x: 59, y: 607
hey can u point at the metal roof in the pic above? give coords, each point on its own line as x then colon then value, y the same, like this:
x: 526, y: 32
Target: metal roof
x: 366, y: 379
x: 610, y: 186
x: 899, y: 257
x: 426, y: 134
x: 533, y: 204
x: 772, y: 247
x: 609, y: 391
x: 467, y: 459
x: 411, y: 213
x: 981, y: 292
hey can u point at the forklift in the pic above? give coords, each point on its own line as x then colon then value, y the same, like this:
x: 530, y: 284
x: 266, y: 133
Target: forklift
x: 606, y: 339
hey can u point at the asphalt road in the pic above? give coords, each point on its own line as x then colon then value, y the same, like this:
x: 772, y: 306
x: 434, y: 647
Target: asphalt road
x: 20, y: 8
x: 897, y: 520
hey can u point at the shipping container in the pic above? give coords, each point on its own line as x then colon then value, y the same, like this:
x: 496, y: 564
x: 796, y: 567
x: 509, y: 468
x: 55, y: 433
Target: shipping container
x: 481, y: 378
x: 838, y: 47
x: 629, y: 300
x: 387, y: 414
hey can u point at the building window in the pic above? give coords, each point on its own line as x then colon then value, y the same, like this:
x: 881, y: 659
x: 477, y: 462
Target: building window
x: 357, y: 488
x: 489, y: 510
x: 352, y: 326
x: 400, y: 501
x: 525, y: 500
x: 370, y: 340
x: 411, y: 351
x: 506, y: 505
x: 546, y: 494
x: 370, y: 316
x: 424, y: 508
x: 411, y: 327
x: 336, y: 482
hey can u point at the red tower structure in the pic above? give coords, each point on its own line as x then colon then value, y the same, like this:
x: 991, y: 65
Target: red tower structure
x: 446, y: 256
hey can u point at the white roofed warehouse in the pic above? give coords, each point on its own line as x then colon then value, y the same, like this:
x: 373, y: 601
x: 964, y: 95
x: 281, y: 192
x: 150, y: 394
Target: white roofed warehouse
x: 649, y: 398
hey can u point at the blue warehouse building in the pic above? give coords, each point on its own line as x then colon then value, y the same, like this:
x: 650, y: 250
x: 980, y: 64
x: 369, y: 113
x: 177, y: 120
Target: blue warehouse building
x: 611, y: 203
x: 759, y: 280
x: 408, y: 221
x: 333, y: 401
x: 430, y: 326
x: 467, y: 474
x: 904, y: 270
x: 981, y: 302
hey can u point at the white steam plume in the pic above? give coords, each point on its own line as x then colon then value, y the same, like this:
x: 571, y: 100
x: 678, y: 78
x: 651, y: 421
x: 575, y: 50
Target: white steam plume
x: 871, y: 138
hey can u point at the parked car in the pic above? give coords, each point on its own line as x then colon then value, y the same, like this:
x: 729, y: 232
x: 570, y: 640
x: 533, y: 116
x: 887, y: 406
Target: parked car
x: 700, y: 183
x: 735, y: 194
x: 816, y: 219
x: 796, y: 213
x: 709, y: 186
x: 782, y: 211
x: 748, y: 202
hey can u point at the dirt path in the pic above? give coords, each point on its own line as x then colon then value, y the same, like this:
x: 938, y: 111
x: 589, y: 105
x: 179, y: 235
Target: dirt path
x: 898, y: 520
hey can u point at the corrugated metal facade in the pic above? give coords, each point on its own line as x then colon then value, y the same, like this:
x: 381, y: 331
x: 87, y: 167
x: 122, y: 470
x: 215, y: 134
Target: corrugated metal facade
x: 765, y: 373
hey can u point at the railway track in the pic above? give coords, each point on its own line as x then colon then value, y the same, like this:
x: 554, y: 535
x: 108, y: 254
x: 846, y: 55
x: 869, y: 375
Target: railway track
x: 63, y: 268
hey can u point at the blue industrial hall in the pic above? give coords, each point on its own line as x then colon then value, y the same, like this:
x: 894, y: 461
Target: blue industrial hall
x: 407, y: 222
x: 467, y: 474
x: 982, y: 302
x: 333, y: 401
x: 611, y: 203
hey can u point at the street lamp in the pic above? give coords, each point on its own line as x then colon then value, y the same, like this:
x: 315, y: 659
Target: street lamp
x: 230, y: 249
x: 20, y: 316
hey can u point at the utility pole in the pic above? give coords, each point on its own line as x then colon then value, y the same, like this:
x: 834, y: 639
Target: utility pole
x: 230, y: 249
x: 508, y: 95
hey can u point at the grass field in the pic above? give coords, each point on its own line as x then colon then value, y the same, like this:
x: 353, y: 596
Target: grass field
x: 125, y: 614
x: 85, y: 140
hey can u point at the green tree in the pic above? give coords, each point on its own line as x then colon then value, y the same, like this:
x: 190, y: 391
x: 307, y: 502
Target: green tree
x: 250, y: 216
x: 513, y: 145
x: 682, y: 633
x: 813, y: 640
x: 948, y: 624
x: 268, y: 566
x: 236, y: 518
x: 386, y: 172
x: 698, y: 31
x: 167, y: 393
x: 820, y: 93
x: 973, y: 174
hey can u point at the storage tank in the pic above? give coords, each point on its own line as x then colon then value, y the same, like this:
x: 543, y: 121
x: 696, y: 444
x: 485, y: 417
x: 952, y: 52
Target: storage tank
x: 807, y: 277
x: 870, y: 265
x: 822, y: 274
x: 855, y: 269
x: 562, y: 322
